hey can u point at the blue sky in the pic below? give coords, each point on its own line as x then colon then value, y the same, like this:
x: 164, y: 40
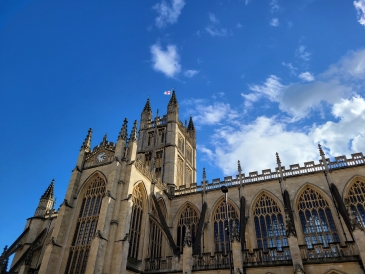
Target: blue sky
x: 257, y: 76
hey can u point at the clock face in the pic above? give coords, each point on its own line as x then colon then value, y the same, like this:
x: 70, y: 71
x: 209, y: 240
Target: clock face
x: 101, y: 157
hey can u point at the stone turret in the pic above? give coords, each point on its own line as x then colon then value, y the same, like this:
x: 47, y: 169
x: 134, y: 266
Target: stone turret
x: 46, y: 201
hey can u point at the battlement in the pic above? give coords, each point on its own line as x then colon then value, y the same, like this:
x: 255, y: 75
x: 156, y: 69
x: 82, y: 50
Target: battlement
x: 340, y: 162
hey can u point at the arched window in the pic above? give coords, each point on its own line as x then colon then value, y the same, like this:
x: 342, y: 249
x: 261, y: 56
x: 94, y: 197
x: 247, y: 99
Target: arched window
x: 269, y: 224
x: 136, y: 221
x: 155, y: 239
x: 316, y: 219
x: 85, y: 227
x: 220, y: 234
x: 356, y: 198
x: 189, y: 218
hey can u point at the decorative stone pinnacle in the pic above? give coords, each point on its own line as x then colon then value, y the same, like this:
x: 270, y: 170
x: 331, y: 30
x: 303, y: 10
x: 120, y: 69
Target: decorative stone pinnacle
x: 87, y: 143
x: 173, y: 99
x: 235, y: 234
x: 133, y: 136
x: 320, y: 150
x: 48, y: 194
x: 204, y: 174
x: 278, y: 158
x: 147, y: 107
x: 187, y: 238
x: 123, y: 132
x: 239, y: 167
x: 191, y: 124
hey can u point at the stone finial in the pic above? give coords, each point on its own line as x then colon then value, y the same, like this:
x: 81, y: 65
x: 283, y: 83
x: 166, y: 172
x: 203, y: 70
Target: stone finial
x: 204, y: 175
x: 105, y: 139
x: 278, y: 159
x: 133, y: 136
x: 87, y: 143
x: 320, y: 150
x: 239, y: 167
x: 290, y: 228
x: 191, y: 124
x: 123, y: 132
x: 235, y: 234
x: 187, y: 238
x: 147, y: 107
x: 48, y: 194
x: 173, y: 100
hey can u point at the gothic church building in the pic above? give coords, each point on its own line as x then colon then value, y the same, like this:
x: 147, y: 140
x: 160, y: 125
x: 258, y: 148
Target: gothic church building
x: 134, y: 207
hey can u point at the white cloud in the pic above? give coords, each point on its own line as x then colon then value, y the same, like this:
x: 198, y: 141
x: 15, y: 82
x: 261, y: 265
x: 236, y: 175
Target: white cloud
x: 213, y: 19
x: 301, y: 53
x: 168, y: 14
x: 167, y: 61
x: 205, y: 113
x: 360, y: 7
x: 306, y: 76
x: 191, y: 73
x: 274, y: 22
x: 271, y: 88
x: 213, y: 31
x: 238, y: 25
x: 274, y: 6
x: 256, y: 143
x: 290, y: 67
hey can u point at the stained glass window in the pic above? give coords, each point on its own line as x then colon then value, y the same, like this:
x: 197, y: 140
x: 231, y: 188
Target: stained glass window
x: 356, y: 198
x: 85, y: 227
x: 269, y: 224
x: 316, y: 219
x: 220, y: 233
x: 189, y: 218
x: 136, y: 221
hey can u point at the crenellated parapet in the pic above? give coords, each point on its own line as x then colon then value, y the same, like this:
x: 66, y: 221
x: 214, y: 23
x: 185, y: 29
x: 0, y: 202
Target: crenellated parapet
x: 340, y: 162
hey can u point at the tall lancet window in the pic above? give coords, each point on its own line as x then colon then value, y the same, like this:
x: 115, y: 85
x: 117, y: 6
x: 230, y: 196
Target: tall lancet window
x: 136, y: 221
x: 316, y: 219
x: 189, y: 218
x: 356, y: 198
x: 220, y: 234
x: 155, y: 239
x: 86, y: 225
x: 269, y: 224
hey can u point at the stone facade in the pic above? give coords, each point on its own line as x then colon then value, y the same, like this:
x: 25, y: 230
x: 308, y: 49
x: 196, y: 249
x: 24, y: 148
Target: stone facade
x: 134, y: 207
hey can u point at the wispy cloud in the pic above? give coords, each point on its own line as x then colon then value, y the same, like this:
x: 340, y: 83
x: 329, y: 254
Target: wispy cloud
x: 360, y: 8
x: 306, y: 76
x: 301, y: 53
x: 191, y: 73
x: 213, y: 31
x: 290, y: 67
x: 213, y: 19
x: 238, y: 25
x: 274, y: 22
x: 168, y: 14
x: 167, y: 61
x: 274, y: 6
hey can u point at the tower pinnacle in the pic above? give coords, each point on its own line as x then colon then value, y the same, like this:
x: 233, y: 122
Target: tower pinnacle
x: 123, y: 132
x: 147, y: 107
x: 48, y: 194
x: 87, y: 143
x: 133, y: 136
x: 191, y: 124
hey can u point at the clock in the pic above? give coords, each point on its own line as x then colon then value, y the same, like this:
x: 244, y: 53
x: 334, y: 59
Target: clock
x: 101, y: 157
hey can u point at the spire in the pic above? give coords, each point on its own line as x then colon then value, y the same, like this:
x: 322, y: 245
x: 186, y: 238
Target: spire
x: 173, y: 99
x: 239, y: 167
x: 320, y: 150
x: 191, y: 124
x: 48, y: 194
x: 133, y: 136
x: 123, y: 132
x: 87, y: 143
x: 147, y: 107
x: 278, y: 158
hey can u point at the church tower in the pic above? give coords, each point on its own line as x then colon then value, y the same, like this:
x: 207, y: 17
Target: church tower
x: 166, y: 147
x: 46, y: 201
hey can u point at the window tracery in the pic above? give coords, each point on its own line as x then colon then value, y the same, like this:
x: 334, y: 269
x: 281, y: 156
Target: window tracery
x: 85, y: 227
x: 180, y: 170
x: 189, y: 218
x: 136, y: 221
x: 356, y: 198
x: 221, y: 240
x: 316, y: 218
x: 269, y: 224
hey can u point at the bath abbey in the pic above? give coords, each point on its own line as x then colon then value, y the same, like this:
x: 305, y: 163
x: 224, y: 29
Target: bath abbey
x: 133, y: 206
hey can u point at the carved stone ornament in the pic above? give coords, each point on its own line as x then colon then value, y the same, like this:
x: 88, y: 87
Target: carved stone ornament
x: 355, y: 224
x: 235, y: 234
x: 290, y: 228
x: 187, y: 238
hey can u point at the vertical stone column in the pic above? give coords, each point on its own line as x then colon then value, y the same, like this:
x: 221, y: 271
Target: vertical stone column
x: 187, y: 253
x: 236, y: 250
x: 293, y: 244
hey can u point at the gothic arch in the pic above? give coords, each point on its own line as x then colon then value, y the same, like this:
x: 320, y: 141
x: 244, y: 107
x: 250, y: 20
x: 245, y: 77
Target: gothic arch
x: 349, y: 183
x: 355, y: 197
x: 155, y: 239
x: 316, y: 216
x: 143, y: 188
x: 181, y: 210
x: 88, y: 180
x: 258, y: 196
x: 216, y: 205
